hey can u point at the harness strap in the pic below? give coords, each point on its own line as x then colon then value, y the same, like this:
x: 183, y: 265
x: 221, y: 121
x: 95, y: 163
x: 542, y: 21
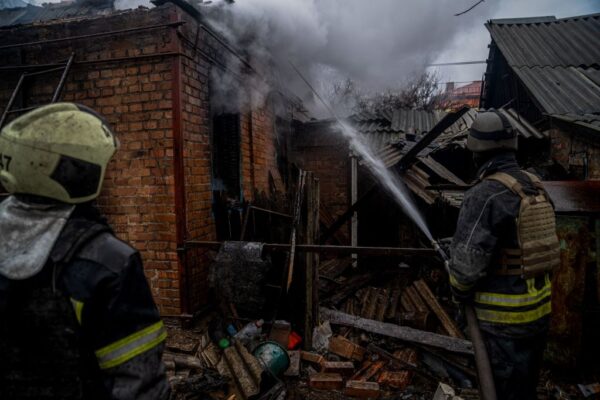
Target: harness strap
x: 508, y: 181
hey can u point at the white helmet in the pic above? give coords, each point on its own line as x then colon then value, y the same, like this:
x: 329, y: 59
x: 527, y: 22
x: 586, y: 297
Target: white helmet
x: 59, y: 151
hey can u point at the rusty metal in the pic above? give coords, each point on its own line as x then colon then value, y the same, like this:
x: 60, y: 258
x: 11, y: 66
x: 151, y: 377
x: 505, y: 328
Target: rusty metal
x: 568, y: 290
x: 375, y: 251
x: 63, y: 78
x: 179, y: 181
x: 574, y: 196
x: 93, y: 35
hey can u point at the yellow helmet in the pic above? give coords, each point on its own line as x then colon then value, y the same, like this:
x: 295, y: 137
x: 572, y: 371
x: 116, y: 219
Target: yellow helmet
x: 59, y: 151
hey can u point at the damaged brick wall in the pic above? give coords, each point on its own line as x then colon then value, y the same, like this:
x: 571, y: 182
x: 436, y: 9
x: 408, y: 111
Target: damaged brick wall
x: 576, y: 153
x: 322, y: 150
x: 155, y: 94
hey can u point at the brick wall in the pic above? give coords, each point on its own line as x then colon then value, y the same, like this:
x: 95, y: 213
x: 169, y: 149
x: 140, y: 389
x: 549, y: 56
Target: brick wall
x: 157, y: 192
x: 136, y: 98
x: 320, y: 149
x: 259, y: 152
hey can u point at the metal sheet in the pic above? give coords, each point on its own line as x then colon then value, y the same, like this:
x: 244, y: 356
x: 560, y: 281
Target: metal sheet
x: 568, y: 287
x: 574, y: 196
x: 48, y: 12
x: 557, y: 61
x: 561, y: 90
x: 547, y: 41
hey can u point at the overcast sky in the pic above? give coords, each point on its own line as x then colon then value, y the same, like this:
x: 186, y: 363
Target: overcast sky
x: 376, y: 43
x: 470, y: 43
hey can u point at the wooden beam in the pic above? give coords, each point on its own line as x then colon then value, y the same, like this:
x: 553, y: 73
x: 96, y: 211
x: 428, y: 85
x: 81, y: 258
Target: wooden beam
x: 434, y: 305
x: 398, y: 332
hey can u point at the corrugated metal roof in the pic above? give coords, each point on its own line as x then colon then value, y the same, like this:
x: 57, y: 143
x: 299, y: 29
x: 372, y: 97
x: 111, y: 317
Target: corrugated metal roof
x: 415, y: 121
x: 48, y: 12
x: 558, y: 61
x: 563, y: 90
x: 547, y: 41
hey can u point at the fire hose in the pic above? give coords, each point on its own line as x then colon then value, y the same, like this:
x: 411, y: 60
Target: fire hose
x: 487, y: 387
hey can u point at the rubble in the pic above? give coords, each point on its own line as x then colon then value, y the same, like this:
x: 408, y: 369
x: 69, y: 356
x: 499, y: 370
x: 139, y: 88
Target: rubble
x: 399, y: 332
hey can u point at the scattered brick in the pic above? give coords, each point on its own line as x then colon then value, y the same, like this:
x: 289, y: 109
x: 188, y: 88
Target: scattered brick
x: 326, y: 381
x: 365, y: 390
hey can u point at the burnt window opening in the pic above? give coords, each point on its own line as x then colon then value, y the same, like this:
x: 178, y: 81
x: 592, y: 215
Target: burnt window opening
x: 226, y: 175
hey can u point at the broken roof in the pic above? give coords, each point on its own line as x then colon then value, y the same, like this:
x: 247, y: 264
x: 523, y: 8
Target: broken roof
x: 392, y: 151
x: 558, y: 61
x: 389, y: 126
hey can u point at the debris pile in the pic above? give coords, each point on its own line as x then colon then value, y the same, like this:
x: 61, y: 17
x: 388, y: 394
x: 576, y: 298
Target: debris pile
x: 391, y: 340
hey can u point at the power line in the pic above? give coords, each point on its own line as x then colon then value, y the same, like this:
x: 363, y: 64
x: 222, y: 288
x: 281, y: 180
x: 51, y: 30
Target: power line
x: 457, y: 63
x: 470, y: 8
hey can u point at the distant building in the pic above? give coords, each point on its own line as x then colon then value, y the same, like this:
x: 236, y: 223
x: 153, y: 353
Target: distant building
x: 464, y: 95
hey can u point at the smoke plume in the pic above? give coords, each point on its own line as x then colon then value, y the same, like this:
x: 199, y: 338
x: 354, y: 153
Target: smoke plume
x: 376, y: 43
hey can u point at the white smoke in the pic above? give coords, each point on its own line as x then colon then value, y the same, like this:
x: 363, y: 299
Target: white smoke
x: 376, y: 43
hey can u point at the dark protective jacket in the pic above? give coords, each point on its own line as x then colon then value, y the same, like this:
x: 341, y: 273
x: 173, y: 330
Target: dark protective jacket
x: 506, y: 305
x: 86, y: 326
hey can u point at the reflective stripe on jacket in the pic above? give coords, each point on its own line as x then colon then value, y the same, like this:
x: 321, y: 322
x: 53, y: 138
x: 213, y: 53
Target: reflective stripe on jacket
x: 505, y: 304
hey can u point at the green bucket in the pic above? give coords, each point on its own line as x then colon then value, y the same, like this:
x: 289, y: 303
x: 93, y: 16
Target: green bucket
x: 273, y: 356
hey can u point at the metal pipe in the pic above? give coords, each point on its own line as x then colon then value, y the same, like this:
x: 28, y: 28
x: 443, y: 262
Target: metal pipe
x: 376, y: 251
x: 11, y: 100
x: 91, y: 35
x: 63, y: 79
x: 99, y: 61
x: 271, y: 212
x: 181, y: 231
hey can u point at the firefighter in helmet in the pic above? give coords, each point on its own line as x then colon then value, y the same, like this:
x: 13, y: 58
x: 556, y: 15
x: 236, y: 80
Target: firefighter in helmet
x: 502, y: 255
x: 78, y: 318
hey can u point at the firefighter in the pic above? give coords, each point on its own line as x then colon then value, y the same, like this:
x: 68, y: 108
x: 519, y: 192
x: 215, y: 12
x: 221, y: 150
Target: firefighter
x: 78, y: 318
x: 502, y: 254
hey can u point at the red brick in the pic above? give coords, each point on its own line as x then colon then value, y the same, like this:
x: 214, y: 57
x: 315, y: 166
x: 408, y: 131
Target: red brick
x: 326, y: 381
x: 365, y: 390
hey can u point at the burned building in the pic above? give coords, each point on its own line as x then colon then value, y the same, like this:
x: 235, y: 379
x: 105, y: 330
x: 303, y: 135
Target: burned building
x: 187, y: 160
x: 547, y: 69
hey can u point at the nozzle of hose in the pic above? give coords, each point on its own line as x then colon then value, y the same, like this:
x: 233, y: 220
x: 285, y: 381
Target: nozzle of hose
x: 436, y: 246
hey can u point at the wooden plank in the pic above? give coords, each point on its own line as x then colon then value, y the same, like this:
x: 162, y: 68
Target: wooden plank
x: 296, y: 222
x: 447, y: 322
x: 398, y: 332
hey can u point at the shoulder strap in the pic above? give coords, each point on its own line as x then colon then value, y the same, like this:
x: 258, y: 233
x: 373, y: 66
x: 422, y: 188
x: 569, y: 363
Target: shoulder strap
x: 535, y: 180
x: 508, y: 181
